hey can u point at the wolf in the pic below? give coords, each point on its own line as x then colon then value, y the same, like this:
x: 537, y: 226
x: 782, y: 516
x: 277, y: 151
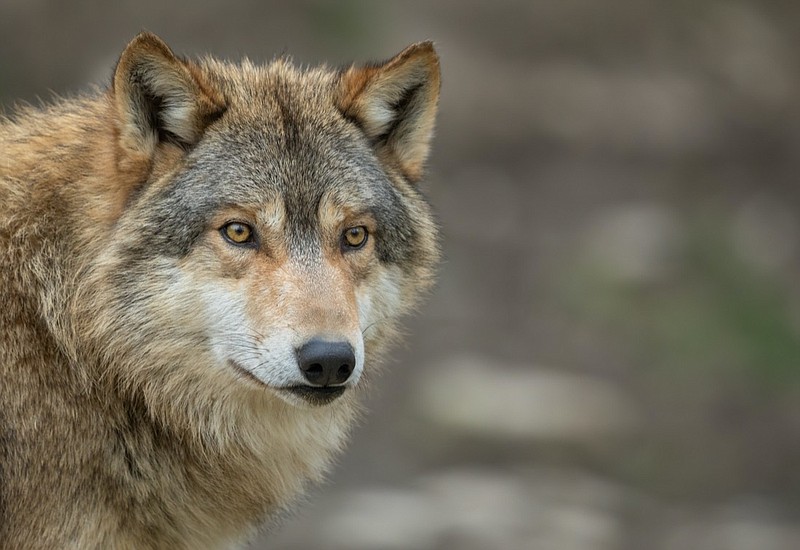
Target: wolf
x: 202, y: 264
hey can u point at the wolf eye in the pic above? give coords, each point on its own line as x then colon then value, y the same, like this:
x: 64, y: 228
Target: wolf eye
x: 237, y: 233
x: 355, y: 237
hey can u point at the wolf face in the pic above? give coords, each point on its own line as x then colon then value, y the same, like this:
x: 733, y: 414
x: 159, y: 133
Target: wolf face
x: 278, y: 234
x: 202, y: 266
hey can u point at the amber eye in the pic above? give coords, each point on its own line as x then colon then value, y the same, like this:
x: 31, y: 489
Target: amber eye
x: 355, y: 237
x: 237, y: 233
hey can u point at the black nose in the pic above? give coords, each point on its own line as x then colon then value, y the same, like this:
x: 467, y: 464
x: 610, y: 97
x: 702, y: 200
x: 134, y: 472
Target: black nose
x: 326, y: 363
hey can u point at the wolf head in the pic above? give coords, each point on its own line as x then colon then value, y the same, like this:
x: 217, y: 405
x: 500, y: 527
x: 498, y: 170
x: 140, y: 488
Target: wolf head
x: 269, y: 231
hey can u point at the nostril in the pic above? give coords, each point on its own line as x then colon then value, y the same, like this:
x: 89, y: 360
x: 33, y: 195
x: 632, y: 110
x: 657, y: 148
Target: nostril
x: 314, y: 368
x: 314, y: 373
x: 343, y: 373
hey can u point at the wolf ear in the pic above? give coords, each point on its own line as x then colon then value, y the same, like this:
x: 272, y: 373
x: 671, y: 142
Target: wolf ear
x: 395, y: 104
x: 159, y: 97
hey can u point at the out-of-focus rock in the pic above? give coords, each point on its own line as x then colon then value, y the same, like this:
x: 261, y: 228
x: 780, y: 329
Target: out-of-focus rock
x: 766, y: 232
x: 478, y: 397
x: 499, y: 510
x: 484, y: 506
x: 382, y: 519
x: 734, y: 533
x: 634, y: 243
x: 470, y: 509
x: 749, y: 51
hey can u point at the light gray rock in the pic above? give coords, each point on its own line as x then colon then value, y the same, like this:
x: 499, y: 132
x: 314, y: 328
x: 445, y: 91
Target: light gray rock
x: 634, y: 243
x: 476, y: 396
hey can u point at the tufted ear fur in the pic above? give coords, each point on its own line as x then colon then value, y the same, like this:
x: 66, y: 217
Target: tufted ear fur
x: 395, y: 104
x: 160, y: 98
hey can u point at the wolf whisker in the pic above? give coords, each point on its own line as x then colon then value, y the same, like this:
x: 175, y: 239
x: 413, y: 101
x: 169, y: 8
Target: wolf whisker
x: 371, y: 325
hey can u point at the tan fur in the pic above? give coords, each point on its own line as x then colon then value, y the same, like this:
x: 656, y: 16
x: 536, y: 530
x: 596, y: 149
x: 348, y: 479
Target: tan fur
x: 113, y: 436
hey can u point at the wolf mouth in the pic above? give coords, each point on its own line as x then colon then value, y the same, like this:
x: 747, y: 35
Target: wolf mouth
x: 246, y: 373
x: 316, y: 395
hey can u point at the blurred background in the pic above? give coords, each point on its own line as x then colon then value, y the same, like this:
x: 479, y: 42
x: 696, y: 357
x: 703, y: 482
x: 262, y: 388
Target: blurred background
x: 611, y: 359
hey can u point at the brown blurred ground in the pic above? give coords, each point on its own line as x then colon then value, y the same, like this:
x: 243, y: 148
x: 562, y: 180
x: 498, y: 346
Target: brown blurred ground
x: 612, y: 357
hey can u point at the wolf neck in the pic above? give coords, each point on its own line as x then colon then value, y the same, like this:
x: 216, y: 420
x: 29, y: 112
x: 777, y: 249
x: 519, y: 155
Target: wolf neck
x: 217, y: 488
